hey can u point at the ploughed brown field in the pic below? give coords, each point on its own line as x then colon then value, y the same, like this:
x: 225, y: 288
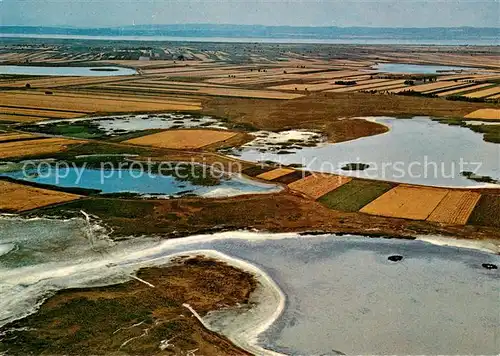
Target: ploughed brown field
x: 17, y: 197
x: 183, y: 139
x: 275, y: 173
x: 484, y: 114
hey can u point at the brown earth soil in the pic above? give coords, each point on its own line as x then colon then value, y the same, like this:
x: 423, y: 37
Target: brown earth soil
x: 133, y: 318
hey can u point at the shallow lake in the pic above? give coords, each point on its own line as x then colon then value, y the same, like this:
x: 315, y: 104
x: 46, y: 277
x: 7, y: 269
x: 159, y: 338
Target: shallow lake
x: 417, y: 150
x: 139, y: 181
x: 342, y: 293
x: 118, y: 125
x: 66, y: 71
x: 417, y: 68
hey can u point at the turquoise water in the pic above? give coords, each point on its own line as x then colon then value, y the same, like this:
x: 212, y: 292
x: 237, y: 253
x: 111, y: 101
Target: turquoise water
x: 136, y: 181
x: 416, y: 151
x: 66, y: 71
x: 416, y: 68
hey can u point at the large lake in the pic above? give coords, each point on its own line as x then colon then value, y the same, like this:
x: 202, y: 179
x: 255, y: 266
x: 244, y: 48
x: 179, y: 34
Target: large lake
x: 66, y: 71
x: 417, y: 68
x: 417, y: 150
x: 342, y: 294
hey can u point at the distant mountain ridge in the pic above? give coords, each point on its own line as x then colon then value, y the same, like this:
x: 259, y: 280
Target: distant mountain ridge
x: 259, y: 31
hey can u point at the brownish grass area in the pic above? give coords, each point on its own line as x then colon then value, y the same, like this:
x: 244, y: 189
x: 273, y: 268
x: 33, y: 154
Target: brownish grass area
x: 34, y: 147
x: 455, y: 208
x: 487, y: 211
x: 183, y: 139
x: 17, y: 197
x: 408, y: 202
x: 14, y: 136
x: 483, y: 93
x: 317, y: 185
x: 21, y: 118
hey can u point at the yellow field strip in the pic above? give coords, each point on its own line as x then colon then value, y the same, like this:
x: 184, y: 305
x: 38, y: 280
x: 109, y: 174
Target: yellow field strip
x: 183, y: 139
x: 275, y: 173
x: 497, y: 96
x: 17, y: 197
x: 21, y: 118
x: 407, y: 202
x: 388, y: 87
x: 317, y: 185
x: 484, y: 114
x: 426, y: 87
x: 483, y: 93
x: 456, y: 91
x: 130, y: 97
x: 14, y: 136
x: 87, y: 104
x: 455, y: 208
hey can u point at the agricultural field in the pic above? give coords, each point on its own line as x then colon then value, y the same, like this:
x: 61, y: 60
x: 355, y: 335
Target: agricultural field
x: 18, y: 148
x: 483, y: 93
x: 317, y: 185
x: 455, y: 208
x: 484, y: 114
x: 407, y: 202
x: 17, y: 197
x: 86, y: 103
x: 354, y: 195
x: 183, y: 139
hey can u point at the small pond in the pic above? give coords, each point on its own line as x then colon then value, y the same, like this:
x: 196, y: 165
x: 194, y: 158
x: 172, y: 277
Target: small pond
x: 418, y: 150
x: 417, y: 68
x: 143, y: 182
x: 66, y: 71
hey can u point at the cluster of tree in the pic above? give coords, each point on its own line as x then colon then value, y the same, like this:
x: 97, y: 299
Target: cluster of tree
x: 472, y: 100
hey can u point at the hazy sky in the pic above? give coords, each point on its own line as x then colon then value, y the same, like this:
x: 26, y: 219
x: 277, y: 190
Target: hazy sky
x: 383, y: 13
